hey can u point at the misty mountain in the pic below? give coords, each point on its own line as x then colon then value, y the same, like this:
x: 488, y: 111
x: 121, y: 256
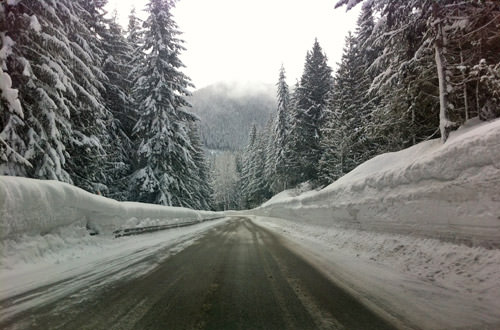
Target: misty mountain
x: 228, y: 111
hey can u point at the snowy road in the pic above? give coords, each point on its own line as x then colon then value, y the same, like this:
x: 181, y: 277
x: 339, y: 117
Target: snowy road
x: 237, y: 276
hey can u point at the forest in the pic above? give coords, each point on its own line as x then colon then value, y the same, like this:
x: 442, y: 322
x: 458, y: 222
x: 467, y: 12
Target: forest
x: 410, y: 72
x: 227, y: 111
x: 85, y: 102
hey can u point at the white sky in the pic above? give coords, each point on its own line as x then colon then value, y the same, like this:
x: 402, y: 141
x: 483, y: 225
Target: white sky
x: 247, y: 40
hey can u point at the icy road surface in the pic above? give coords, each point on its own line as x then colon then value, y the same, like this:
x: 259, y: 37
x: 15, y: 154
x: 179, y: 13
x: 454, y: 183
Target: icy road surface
x: 236, y: 276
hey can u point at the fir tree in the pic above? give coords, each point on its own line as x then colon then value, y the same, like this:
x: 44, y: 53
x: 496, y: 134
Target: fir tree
x: 268, y: 146
x: 164, y: 150
x: 257, y: 190
x: 281, y: 131
x: 135, y: 38
x: 12, y: 145
x: 367, y: 52
x: 429, y: 51
x: 43, y: 53
x: 200, y: 173
x: 343, y: 134
x: 90, y: 116
x: 134, y: 30
x: 225, y: 174
x: 247, y: 164
x: 238, y: 164
x: 116, y: 66
x: 311, y: 99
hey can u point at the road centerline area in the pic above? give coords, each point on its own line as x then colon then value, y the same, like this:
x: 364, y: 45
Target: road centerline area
x: 237, y: 276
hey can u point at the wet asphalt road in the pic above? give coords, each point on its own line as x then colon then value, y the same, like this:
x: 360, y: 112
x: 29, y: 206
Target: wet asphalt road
x: 237, y: 276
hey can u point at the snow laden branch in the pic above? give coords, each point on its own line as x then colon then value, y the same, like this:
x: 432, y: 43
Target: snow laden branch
x: 417, y: 43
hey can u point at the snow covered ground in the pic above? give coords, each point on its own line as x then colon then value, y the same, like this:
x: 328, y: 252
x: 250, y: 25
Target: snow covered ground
x: 34, y: 276
x: 414, y: 281
x: 45, y: 239
x: 414, y: 233
x: 39, y: 207
x: 448, y: 191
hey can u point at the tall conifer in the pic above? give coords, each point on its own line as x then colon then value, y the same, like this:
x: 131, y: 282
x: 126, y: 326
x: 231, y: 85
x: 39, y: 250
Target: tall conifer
x: 164, y: 149
x: 310, y: 101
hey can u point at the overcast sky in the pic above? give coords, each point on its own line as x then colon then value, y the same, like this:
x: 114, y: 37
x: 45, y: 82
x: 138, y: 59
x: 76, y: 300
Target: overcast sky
x: 247, y: 40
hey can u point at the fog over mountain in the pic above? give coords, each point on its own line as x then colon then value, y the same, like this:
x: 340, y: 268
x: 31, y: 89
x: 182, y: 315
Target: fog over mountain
x: 227, y: 111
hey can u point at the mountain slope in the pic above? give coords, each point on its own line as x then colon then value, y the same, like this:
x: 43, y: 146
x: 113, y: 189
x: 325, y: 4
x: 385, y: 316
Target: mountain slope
x: 228, y: 111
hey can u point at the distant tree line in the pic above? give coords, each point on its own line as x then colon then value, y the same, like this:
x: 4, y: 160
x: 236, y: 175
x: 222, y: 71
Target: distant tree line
x: 83, y: 102
x: 412, y: 71
x: 227, y: 112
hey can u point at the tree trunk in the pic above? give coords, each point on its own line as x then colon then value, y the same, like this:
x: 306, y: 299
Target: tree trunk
x: 413, y: 133
x: 444, y: 122
x: 464, y: 82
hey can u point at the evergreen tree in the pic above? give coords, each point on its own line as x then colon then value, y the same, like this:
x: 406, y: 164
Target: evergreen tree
x: 311, y: 99
x: 47, y: 65
x: 367, y: 52
x: 238, y: 196
x: 343, y: 132
x: 268, y: 146
x: 12, y: 145
x: 281, y: 131
x: 164, y: 149
x: 134, y: 30
x: 254, y: 184
x: 90, y: 116
x: 257, y: 190
x: 76, y: 119
x: 225, y: 172
x: 429, y: 51
x: 200, y: 173
x: 116, y: 66
x: 471, y: 44
x: 247, y: 164
x: 135, y: 38
x: 293, y: 176
x: 404, y: 83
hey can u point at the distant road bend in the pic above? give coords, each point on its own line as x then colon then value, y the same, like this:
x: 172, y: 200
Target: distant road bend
x: 237, y: 276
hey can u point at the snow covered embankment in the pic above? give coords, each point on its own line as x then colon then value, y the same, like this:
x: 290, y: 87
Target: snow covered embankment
x: 45, y: 228
x: 379, y: 231
x: 40, y: 218
x: 449, y: 191
x: 34, y: 207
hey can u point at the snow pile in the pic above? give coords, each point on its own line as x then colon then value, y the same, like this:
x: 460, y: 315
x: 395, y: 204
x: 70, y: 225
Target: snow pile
x: 447, y: 191
x: 34, y: 207
x: 82, y: 264
x: 429, y: 283
x: 39, y: 217
x: 302, y: 190
x: 388, y: 230
x: 469, y: 269
x: 46, y: 226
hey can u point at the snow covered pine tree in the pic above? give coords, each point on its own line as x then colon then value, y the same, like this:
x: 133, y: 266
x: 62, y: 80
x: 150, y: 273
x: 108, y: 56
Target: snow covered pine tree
x: 165, y: 153
x: 310, y: 102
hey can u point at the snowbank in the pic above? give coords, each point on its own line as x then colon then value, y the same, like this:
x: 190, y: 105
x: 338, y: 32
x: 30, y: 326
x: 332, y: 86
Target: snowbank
x: 419, y: 282
x: 46, y: 226
x: 387, y: 231
x: 75, y: 265
x: 36, y: 207
x: 433, y: 190
x: 448, y: 191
